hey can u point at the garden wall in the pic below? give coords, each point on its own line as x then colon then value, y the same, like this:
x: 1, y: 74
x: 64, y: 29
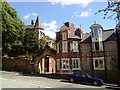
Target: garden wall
x: 17, y: 64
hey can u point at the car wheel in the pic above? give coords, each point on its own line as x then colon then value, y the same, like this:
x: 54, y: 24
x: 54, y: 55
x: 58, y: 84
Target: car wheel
x: 95, y: 83
x: 71, y: 80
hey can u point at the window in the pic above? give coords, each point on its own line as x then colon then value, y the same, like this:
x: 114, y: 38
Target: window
x: 65, y: 64
x: 95, y: 32
x: 71, y: 46
x: 64, y: 36
x: 75, y: 63
x: 98, y: 63
x: 97, y: 46
x: 101, y: 46
x: 57, y: 47
x: 64, y: 47
x: 75, y: 46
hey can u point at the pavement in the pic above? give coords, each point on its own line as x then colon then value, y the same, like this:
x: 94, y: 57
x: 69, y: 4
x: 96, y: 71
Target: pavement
x: 22, y: 80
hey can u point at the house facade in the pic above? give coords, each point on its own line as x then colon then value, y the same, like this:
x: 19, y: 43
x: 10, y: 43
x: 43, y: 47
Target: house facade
x: 95, y: 53
x: 36, y: 27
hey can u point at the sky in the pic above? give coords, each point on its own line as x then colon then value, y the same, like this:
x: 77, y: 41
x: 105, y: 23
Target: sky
x: 54, y: 13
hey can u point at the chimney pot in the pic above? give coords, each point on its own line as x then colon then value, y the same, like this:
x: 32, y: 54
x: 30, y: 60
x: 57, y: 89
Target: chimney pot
x: 32, y: 22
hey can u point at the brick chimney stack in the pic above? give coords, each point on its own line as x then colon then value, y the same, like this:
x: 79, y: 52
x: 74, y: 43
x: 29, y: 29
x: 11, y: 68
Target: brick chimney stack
x: 32, y: 22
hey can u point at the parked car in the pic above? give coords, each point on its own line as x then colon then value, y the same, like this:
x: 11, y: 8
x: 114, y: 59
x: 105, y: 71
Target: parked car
x: 84, y: 77
x: 118, y: 83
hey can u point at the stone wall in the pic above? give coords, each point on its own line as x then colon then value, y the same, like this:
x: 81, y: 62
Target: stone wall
x: 20, y: 65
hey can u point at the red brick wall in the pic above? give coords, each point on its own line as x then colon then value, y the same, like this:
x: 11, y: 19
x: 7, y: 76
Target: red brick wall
x: 21, y: 65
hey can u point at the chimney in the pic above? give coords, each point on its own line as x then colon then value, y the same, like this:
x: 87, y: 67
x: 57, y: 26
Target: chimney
x: 32, y: 22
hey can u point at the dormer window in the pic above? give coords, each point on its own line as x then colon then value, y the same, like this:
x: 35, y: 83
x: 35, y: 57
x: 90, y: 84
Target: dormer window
x: 96, y: 32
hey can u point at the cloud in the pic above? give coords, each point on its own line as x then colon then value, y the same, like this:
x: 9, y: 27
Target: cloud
x: 30, y: 14
x: 50, y: 28
x: 27, y: 16
x: 70, y: 2
x: 51, y: 34
x: 90, y: 9
x: 82, y: 14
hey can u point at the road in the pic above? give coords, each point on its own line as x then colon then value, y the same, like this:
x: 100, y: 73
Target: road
x: 17, y: 80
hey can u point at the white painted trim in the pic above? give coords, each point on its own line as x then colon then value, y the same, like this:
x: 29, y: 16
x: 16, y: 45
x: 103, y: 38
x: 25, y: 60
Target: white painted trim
x: 62, y: 63
x: 99, y: 58
x: 78, y: 64
x: 64, y: 36
x: 66, y: 46
x: 75, y: 48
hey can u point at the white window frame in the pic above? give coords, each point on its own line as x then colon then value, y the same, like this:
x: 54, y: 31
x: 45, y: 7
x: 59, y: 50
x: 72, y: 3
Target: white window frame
x: 100, y: 46
x: 98, y: 58
x: 75, y: 46
x: 64, y: 36
x: 64, y: 46
x: 58, y: 47
x: 76, y: 59
x: 66, y: 59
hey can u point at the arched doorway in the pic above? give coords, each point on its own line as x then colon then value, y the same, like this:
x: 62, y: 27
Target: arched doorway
x: 47, y: 65
x: 45, y: 61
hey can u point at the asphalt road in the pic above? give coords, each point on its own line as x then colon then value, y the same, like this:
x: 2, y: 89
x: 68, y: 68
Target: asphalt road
x: 17, y: 80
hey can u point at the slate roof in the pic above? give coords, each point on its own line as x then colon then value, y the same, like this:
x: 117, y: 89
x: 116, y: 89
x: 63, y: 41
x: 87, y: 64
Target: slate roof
x: 108, y: 35
x: 29, y: 26
x: 86, y: 38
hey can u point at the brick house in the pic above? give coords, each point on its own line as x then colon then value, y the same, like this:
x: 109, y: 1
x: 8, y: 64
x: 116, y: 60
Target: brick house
x: 95, y: 53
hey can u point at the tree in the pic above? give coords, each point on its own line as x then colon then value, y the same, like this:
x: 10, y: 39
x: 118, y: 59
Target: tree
x: 54, y: 44
x: 113, y: 8
x: 12, y: 28
x: 30, y: 42
x: 42, y: 43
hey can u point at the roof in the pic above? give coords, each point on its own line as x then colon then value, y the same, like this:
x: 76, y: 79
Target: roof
x: 29, y: 26
x: 76, y: 37
x: 96, y: 25
x: 86, y: 38
x: 64, y: 28
x: 37, y: 23
x: 108, y: 35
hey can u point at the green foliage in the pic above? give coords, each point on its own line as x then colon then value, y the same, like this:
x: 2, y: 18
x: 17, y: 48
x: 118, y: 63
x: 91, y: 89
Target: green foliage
x: 30, y: 42
x: 42, y: 43
x: 54, y: 44
x: 112, y: 10
x: 12, y: 28
x: 25, y: 57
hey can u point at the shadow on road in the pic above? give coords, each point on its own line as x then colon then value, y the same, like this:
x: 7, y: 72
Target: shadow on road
x: 113, y: 87
x: 67, y: 81
x: 55, y: 76
x: 51, y: 76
